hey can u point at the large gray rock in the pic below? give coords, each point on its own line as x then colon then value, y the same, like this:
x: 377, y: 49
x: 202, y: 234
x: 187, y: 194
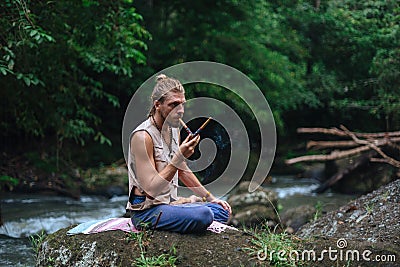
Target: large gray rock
x: 296, y: 217
x: 374, y: 217
x: 116, y: 248
x: 253, y: 209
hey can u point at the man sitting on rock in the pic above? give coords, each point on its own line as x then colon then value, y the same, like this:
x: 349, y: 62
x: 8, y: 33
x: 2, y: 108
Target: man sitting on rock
x: 155, y: 163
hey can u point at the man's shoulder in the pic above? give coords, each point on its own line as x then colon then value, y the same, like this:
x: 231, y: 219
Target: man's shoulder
x: 142, y: 132
x: 143, y: 125
x: 141, y: 137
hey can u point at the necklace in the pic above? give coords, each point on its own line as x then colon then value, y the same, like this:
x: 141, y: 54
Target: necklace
x: 169, y: 144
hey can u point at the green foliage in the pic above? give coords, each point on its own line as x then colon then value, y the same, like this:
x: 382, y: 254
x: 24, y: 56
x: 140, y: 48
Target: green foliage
x: 162, y: 260
x: 331, y: 60
x: 8, y: 182
x: 250, y: 36
x: 142, y: 238
x: 36, y: 241
x: 94, y: 178
x: 68, y: 68
x: 40, y: 162
x: 270, y: 245
x: 54, y: 59
x: 386, y: 66
x: 318, y: 210
x: 362, y: 47
x: 369, y: 208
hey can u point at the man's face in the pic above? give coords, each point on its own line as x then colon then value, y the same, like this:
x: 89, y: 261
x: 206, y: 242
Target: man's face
x: 172, y: 108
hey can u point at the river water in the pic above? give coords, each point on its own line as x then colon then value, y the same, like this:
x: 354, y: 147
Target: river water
x: 26, y: 215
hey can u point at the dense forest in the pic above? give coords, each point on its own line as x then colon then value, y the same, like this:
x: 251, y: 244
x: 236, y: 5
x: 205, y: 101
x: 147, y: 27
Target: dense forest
x: 69, y: 68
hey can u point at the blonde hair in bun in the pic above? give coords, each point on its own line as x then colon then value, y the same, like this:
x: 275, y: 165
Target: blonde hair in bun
x: 164, y: 85
x: 161, y: 77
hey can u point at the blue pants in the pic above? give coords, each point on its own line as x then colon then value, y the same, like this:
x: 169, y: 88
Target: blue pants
x: 184, y: 218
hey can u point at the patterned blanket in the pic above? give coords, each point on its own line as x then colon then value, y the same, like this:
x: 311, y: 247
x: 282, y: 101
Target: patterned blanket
x: 125, y: 224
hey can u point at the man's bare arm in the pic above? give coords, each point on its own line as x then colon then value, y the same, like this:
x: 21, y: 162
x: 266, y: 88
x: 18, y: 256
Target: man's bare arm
x: 150, y: 179
x: 192, y: 182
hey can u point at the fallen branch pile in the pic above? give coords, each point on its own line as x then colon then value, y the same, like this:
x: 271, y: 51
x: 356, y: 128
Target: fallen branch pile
x: 375, y: 147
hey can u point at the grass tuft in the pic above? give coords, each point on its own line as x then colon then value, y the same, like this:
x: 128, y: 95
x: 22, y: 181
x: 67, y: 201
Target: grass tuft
x: 36, y: 241
x: 143, y: 239
x: 279, y: 249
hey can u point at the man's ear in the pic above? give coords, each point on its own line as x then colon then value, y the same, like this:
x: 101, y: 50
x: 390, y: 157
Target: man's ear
x: 156, y: 104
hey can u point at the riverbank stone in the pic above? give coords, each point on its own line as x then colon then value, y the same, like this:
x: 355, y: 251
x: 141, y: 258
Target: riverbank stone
x: 372, y: 220
x: 255, y: 208
x: 296, y: 217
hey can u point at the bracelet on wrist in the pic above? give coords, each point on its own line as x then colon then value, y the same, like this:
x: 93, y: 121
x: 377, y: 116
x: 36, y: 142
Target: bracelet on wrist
x: 206, y: 196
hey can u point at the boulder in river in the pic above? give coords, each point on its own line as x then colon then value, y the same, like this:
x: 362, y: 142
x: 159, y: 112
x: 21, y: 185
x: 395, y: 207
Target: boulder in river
x: 255, y: 208
x: 294, y: 218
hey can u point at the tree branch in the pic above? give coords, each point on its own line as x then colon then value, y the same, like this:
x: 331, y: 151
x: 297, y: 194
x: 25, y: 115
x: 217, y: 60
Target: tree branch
x: 390, y: 160
x: 329, y: 144
x: 366, y: 145
x: 334, y: 144
x: 333, y: 155
x: 335, y: 131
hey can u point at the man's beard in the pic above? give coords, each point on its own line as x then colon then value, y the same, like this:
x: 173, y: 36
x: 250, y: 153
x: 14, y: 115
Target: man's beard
x: 168, y: 119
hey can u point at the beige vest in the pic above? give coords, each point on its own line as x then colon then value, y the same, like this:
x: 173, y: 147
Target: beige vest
x: 162, y: 157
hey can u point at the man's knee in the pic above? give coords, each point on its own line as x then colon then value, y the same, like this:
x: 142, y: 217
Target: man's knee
x: 220, y: 214
x: 200, y: 219
x: 204, y: 216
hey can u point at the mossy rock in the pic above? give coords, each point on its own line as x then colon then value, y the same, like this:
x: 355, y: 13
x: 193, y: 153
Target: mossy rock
x: 116, y: 248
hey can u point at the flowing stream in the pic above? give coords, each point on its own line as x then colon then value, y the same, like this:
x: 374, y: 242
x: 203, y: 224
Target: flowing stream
x: 27, y: 215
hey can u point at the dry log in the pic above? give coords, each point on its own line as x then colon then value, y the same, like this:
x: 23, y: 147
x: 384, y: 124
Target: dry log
x: 332, y: 131
x: 329, y: 144
x: 366, y: 145
x: 369, y: 143
x: 332, y: 156
x: 336, y: 131
x: 379, y: 160
x: 336, y: 144
x: 390, y: 160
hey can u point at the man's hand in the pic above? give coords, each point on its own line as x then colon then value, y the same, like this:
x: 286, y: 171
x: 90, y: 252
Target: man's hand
x: 183, y: 200
x: 224, y: 204
x: 188, y: 145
